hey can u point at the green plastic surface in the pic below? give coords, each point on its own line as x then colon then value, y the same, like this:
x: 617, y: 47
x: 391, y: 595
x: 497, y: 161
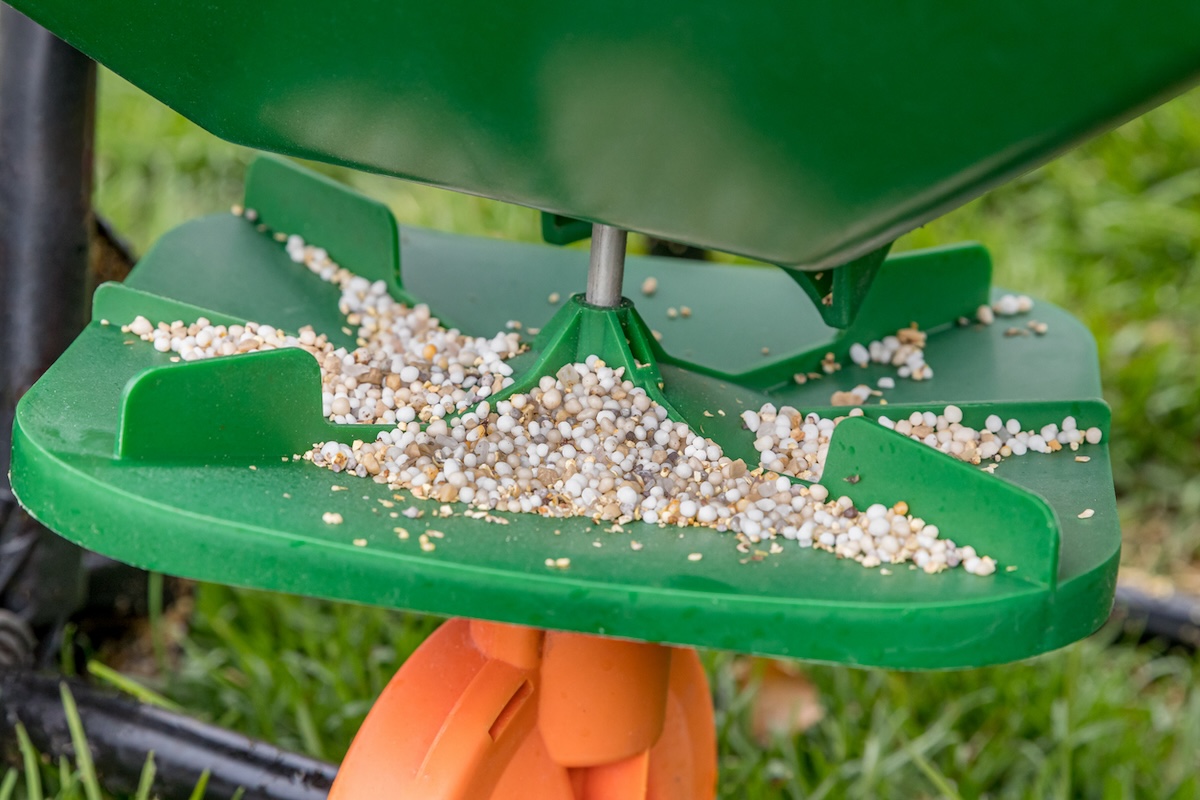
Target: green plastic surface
x: 839, y: 293
x: 557, y: 229
x: 795, y: 131
x: 149, y: 461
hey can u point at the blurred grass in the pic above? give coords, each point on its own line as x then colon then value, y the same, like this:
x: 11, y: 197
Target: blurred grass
x: 1111, y: 232
x: 39, y: 779
x: 1094, y: 720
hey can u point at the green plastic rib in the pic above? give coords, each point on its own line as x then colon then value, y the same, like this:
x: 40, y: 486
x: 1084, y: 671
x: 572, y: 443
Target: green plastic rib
x: 557, y: 229
x: 871, y: 464
x: 897, y: 295
x: 579, y: 330
x: 352, y: 228
x: 838, y: 293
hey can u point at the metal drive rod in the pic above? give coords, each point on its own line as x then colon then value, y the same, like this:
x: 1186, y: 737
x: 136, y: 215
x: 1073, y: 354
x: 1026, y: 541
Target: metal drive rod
x: 607, y: 266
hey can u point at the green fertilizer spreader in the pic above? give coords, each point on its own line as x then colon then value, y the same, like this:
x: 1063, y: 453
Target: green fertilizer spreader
x: 803, y: 135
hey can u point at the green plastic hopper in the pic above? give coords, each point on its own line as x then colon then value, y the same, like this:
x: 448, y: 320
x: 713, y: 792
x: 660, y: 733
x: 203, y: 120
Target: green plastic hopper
x: 796, y: 132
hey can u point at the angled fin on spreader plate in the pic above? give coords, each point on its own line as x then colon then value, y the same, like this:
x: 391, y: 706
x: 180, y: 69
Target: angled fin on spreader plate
x: 239, y: 407
x: 894, y: 293
x: 557, y: 229
x: 839, y: 292
x: 870, y: 464
x: 357, y: 231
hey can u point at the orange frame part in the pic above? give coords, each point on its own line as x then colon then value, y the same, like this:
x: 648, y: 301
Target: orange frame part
x: 487, y: 711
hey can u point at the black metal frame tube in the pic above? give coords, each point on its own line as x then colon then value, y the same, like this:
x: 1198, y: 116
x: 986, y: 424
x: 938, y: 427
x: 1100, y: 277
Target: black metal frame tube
x: 47, y: 102
x: 1173, y: 618
x: 121, y: 732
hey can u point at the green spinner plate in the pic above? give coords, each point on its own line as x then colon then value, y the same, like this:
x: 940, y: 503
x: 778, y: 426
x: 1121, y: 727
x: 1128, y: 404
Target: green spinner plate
x: 148, y: 461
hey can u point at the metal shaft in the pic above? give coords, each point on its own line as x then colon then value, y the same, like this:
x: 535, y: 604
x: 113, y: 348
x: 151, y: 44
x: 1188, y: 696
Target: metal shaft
x: 607, y: 266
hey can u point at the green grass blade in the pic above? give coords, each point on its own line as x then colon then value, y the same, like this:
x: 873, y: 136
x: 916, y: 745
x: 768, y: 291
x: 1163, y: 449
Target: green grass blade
x: 126, y: 684
x: 83, y: 755
x: 154, y: 602
x: 67, y: 779
x: 66, y: 654
x: 9, y: 785
x: 33, y: 771
x: 237, y: 795
x: 201, y: 787
x: 308, y: 730
x: 935, y: 777
x: 146, y: 781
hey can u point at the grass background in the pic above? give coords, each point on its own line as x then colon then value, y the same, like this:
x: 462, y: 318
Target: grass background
x: 1111, y: 232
